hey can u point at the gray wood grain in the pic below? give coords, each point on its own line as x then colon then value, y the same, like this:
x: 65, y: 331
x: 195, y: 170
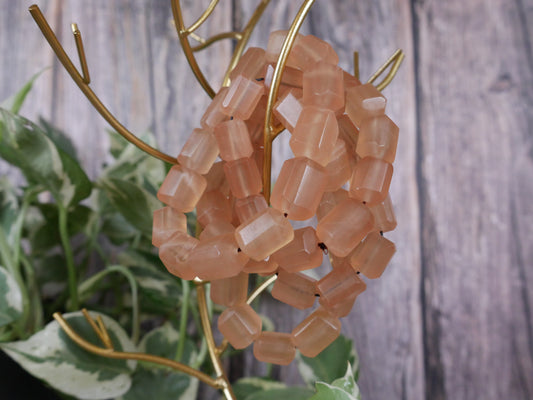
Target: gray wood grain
x: 452, y: 316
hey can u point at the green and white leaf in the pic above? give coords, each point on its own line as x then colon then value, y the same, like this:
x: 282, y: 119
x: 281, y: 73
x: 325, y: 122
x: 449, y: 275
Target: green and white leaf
x: 292, y: 393
x: 331, y: 363
x: 245, y: 387
x: 153, y: 382
x: 14, y: 103
x: 9, y: 207
x: 159, y: 290
x: 53, y: 357
x: 26, y: 146
x: 325, y: 391
x: 10, y: 298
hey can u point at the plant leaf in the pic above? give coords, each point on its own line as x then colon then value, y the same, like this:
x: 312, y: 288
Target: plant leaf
x: 53, y: 357
x: 245, y: 387
x: 293, y: 393
x: 325, y: 391
x: 9, y: 207
x: 330, y: 364
x: 163, y: 383
x: 136, y: 204
x: 60, y: 138
x: 10, y: 298
x: 26, y: 146
x: 14, y: 103
x: 347, y: 383
x: 158, y: 290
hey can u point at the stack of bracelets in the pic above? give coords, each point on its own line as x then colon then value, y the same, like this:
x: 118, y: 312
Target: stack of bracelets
x: 339, y: 135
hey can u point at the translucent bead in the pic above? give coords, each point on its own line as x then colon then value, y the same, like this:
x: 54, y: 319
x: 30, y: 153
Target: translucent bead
x: 216, y: 228
x: 299, y: 188
x: 339, y: 284
x: 216, y: 179
x: 339, y: 169
x: 213, y: 206
x: 290, y: 77
x: 263, y: 267
x: 371, y: 180
x: 316, y: 332
x: 265, y: 233
x: 242, y: 97
x: 295, y: 289
x: 274, y: 348
x: 200, y: 151
x: 288, y: 108
x: 323, y: 87
x: 249, y: 206
x: 251, y: 65
x: 230, y: 291
x: 243, y: 177
x: 259, y: 156
x: 175, y: 253
x: 315, y: 134
x: 182, y: 188
x: 309, y: 50
x: 274, y: 45
x: 378, y: 137
x: 349, y: 133
x: 214, y: 115
x: 301, y: 253
x: 345, y: 226
x: 364, y: 101
x: 373, y: 255
x: 343, y: 307
x: 167, y: 221
x: 233, y: 140
x: 350, y: 80
x: 217, y: 258
x: 240, y: 325
x: 384, y: 218
x: 329, y: 201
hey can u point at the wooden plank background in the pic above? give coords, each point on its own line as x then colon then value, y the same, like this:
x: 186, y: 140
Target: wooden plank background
x: 452, y: 316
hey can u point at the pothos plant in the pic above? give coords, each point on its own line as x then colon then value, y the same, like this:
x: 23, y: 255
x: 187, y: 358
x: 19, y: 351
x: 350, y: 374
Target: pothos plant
x: 67, y: 242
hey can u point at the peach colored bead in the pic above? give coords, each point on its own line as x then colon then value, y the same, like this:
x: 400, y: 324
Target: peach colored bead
x: 214, y: 115
x: 384, y: 218
x: 216, y: 228
x: 371, y: 180
x: 230, y: 291
x: 339, y: 169
x: 240, y: 325
x: 274, y: 348
x: 329, y: 201
x: 263, y: 267
x: 316, y: 332
x: 216, y: 179
x: 373, y: 255
x: 259, y: 156
x: 323, y: 87
x: 309, y: 50
x: 249, y: 206
x: 343, y: 307
x: 378, y: 137
x: 345, y: 226
x: 301, y: 253
x: 265, y: 233
x: 315, y: 134
x: 299, y: 188
x: 217, y: 258
x: 274, y: 45
x: 182, y: 188
x: 233, y: 140
x: 200, y: 151
x: 243, y: 177
x: 167, y: 221
x: 349, y: 133
x: 350, y: 80
x: 175, y: 252
x: 251, y: 65
x: 290, y: 77
x: 242, y: 97
x: 295, y: 289
x: 288, y: 108
x: 363, y: 102
x: 339, y: 284
x: 213, y: 206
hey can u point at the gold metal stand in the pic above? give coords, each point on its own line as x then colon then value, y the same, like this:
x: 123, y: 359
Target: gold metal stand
x: 270, y: 133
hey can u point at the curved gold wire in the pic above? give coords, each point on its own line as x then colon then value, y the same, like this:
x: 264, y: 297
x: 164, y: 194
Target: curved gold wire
x: 80, y: 80
x: 210, y: 8
x: 204, y: 43
x: 396, y: 60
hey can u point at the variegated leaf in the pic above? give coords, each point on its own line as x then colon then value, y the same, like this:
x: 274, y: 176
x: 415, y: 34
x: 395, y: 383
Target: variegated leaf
x: 10, y: 298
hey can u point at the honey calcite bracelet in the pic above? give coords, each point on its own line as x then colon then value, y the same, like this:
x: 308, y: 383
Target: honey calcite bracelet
x: 339, y: 134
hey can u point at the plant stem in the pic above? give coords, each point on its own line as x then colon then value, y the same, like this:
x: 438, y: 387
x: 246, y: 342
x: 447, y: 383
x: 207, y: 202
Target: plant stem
x: 183, y: 318
x: 69, y: 257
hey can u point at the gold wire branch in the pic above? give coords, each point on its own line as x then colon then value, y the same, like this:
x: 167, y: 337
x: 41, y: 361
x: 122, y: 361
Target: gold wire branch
x: 82, y: 80
x: 110, y: 352
x: 396, y: 60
